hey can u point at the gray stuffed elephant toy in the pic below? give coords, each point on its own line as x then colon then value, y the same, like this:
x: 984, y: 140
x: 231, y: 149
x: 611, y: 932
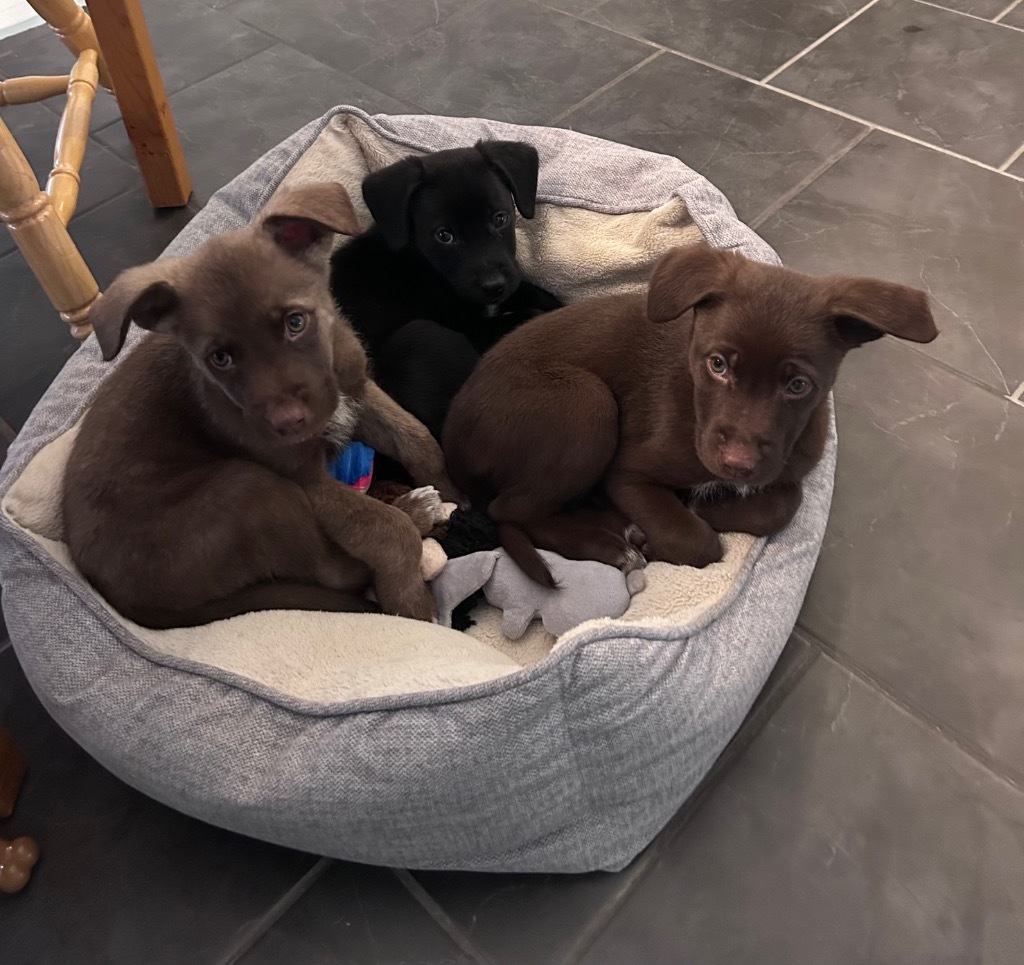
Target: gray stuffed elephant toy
x: 585, y: 590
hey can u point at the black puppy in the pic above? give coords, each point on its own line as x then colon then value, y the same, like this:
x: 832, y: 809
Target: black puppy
x: 435, y: 282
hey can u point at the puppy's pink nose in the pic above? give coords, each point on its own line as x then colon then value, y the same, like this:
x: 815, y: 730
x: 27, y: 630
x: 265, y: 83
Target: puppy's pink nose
x: 737, y: 460
x: 287, y: 418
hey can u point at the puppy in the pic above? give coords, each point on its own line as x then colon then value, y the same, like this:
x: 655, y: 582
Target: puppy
x: 435, y: 282
x: 714, y: 386
x: 197, y: 488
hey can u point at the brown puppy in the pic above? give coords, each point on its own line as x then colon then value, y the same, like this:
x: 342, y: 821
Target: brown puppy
x: 714, y: 386
x: 197, y: 488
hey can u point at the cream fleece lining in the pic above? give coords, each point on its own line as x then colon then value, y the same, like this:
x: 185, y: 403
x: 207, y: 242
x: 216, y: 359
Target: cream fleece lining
x: 325, y: 656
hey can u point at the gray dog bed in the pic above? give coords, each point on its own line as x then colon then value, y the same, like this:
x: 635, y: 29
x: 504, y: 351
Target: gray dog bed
x: 382, y: 740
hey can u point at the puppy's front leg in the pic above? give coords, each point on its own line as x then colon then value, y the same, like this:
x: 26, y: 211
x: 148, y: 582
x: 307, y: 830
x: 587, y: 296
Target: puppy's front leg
x: 382, y: 537
x: 386, y: 426
x: 674, y: 534
x: 762, y: 513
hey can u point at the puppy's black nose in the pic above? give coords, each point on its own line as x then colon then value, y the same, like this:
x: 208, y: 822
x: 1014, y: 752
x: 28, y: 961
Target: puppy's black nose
x: 493, y: 287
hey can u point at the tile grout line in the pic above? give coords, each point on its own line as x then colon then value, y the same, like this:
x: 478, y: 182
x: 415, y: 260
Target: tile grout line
x: 441, y: 918
x: 998, y: 18
x: 1005, y: 166
x: 839, y: 26
x: 973, y: 16
x: 803, y: 100
x: 888, y: 130
x: 252, y: 935
x: 973, y: 380
x: 806, y: 182
x: 170, y: 94
x: 584, y: 18
x: 649, y: 858
x: 949, y: 735
x: 604, y: 87
x: 353, y: 73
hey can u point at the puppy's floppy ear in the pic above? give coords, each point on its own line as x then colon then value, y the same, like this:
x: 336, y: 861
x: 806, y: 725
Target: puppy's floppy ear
x: 388, y: 194
x: 301, y: 220
x: 145, y: 295
x: 518, y: 165
x: 863, y: 309
x: 685, y: 277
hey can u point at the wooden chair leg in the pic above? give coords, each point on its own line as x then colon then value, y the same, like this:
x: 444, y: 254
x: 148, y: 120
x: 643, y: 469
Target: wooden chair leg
x: 73, y: 137
x: 140, y: 94
x: 72, y: 24
x: 43, y: 238
x: 12, y: 771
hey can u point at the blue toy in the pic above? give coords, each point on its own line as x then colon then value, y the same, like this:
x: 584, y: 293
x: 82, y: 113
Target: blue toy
x: 353, y: 466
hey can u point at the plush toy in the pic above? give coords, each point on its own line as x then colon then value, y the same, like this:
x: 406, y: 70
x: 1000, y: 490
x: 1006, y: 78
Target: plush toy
x: 462, y: 561
x: 584, y: 590
x: 467, y: 531
x: 353, y: 465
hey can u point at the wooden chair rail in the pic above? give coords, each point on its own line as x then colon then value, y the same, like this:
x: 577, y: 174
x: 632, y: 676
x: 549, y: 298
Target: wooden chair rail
x: 28, y: 90
x: 38, y: 218
x: 72, y: 24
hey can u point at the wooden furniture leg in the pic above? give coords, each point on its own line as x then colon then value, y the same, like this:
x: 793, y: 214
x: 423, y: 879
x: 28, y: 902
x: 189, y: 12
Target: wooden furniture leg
x: 43, y: 239
x: 72, y: 24
x: 139, y: 89
x: 12, y: 771
x: 73, y: 137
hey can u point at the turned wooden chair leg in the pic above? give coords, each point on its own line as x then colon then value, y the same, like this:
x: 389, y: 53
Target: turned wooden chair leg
x: 74, y: 27
x: 73, y: 136
x: 43, y: 239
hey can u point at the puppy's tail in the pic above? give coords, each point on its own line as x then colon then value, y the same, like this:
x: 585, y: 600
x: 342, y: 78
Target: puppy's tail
x: 249, y: 599
x: 517, y: 544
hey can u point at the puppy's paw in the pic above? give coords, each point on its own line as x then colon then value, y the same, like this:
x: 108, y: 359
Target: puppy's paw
x: 423, y: 506
x: 635, y: 535
x: 451, y: 494
x: 407, y: 598
x: 631, y: 560
x: 438, y: 478
x: 698, y: 548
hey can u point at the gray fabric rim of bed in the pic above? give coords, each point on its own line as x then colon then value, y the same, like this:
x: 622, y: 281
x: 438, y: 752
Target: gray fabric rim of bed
x: 572, y: 763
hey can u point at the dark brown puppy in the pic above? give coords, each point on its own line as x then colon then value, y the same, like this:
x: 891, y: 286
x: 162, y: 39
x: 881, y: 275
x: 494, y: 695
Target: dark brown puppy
x: 714, y: 387
x: 197, y: 488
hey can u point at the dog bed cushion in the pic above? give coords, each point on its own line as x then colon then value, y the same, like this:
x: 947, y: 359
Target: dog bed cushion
x: 383, y: 740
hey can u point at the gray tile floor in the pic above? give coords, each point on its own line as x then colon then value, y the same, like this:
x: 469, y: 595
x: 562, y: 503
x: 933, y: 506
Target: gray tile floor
x: 870, y: 809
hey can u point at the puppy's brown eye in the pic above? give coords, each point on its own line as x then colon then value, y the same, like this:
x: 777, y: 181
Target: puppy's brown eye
x: 444, y: 236
x: 795, y: 388
x: 295, y: 323
x: 717, y: 366
x: 500, y: 219
x: 220, y: 359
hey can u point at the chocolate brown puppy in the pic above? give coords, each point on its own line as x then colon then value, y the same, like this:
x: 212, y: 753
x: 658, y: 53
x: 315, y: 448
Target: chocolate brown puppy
x: 693, y: 410
x: 197, y: 488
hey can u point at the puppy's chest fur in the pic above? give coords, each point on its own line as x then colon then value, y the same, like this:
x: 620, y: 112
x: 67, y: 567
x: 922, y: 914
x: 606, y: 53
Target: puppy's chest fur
x: 711, y: 492
x: 343, y: 422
